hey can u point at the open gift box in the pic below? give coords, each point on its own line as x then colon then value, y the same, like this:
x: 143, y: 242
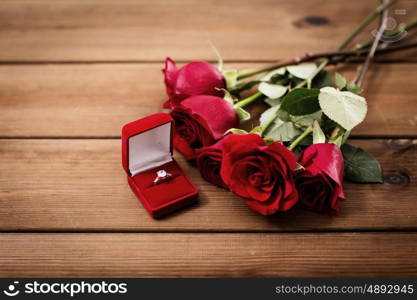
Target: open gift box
x: 147, y: 149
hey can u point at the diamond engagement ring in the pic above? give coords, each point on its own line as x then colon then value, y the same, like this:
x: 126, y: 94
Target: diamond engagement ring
x: 161, y: 176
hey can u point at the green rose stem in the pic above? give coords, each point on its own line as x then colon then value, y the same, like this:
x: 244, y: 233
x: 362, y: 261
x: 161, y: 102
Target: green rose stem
x: 268, y: 123
x: 359, y: 50
x: 380, y: 9
x: 310, y: 57
x: 366, y: 22
x: 378, y: 36
x: 323, y: 64
x: 244, y: 102
x: 345, y: 54
x: 379, y: 51
x: 400, y: 30
x: 362, y: 71
x: 300, y: 138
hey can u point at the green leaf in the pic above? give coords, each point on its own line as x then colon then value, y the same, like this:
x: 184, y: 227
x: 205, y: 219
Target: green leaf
x: 345, y: 108
x: 326, y: 123
x: 318, y: 135
x: 268, y: 115
x: 256, y: 130
x: 351, y: 87
x: 273, y: 91
x: 301, y: 101
x: 228, y: 97
x: 268, y: 76
x: 282, y: 131
x: 322, y: 79
x: 242, y: 114
x: 283, y: 115
x: 339, y: 80
x: 279, y: 130
x: 231, y: 78
x: 306, y: 120
x: 242, y: 86
x: 268, y: 141
x: 294, y: 81
x: 273, y: 102
x: 302, y: 71
x: 345, y: 136
x: 337, y: 140
x: 360, y: 166
x: 236, y: 130
x: 219, y: 57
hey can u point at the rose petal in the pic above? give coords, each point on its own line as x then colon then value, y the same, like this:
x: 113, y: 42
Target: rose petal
x: 261, y: 173
x: 195, y: 78
x: 327, y: 157
x: 213, y: 113
x: 183, y: 147
x: 170, y: 73
x: 199, y: 78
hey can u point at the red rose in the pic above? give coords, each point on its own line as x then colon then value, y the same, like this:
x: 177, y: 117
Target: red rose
x: 320, y: 183
x: 209, y: 161
x: 259, y: 172
x: 200, y: 121
x: 195, y: 78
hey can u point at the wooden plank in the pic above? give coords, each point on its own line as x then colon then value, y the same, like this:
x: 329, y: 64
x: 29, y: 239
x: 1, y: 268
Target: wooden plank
x: 79, y: 185
x: 98, y: 30
x: 97, y: 99
x: 208, y: 255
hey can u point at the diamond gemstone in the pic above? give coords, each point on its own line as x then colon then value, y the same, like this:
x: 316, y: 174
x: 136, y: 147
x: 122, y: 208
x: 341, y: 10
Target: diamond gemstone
x: 161, y: 173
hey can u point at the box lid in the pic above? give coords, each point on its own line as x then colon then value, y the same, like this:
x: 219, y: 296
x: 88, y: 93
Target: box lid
x: 147, y: 143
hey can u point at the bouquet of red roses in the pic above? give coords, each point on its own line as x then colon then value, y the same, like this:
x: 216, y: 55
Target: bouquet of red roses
x: 298, y: 153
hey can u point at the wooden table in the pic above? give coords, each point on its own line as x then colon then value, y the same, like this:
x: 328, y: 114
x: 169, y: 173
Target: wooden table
x: 73, y: 72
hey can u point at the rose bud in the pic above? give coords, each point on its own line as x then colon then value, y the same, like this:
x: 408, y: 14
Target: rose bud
x: 200, y: 121
x: 195, y: 78
x: 209, y: 161
x: 261, y: 173
x: 319, y: 184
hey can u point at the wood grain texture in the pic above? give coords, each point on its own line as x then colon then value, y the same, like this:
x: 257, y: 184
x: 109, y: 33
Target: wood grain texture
x: 103, y: 30
x: 97, y: 99
x: 79, y: 185
x: 208, y: 255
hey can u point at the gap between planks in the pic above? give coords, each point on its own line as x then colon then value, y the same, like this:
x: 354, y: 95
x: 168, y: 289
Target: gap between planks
x: 79, y: 185
x: 215, y: 231
x: 237, y: 61
x: 352, y: 137
x: 202, y: 255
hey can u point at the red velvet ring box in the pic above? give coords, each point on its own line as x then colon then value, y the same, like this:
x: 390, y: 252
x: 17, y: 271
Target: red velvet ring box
x: 146, y: 149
